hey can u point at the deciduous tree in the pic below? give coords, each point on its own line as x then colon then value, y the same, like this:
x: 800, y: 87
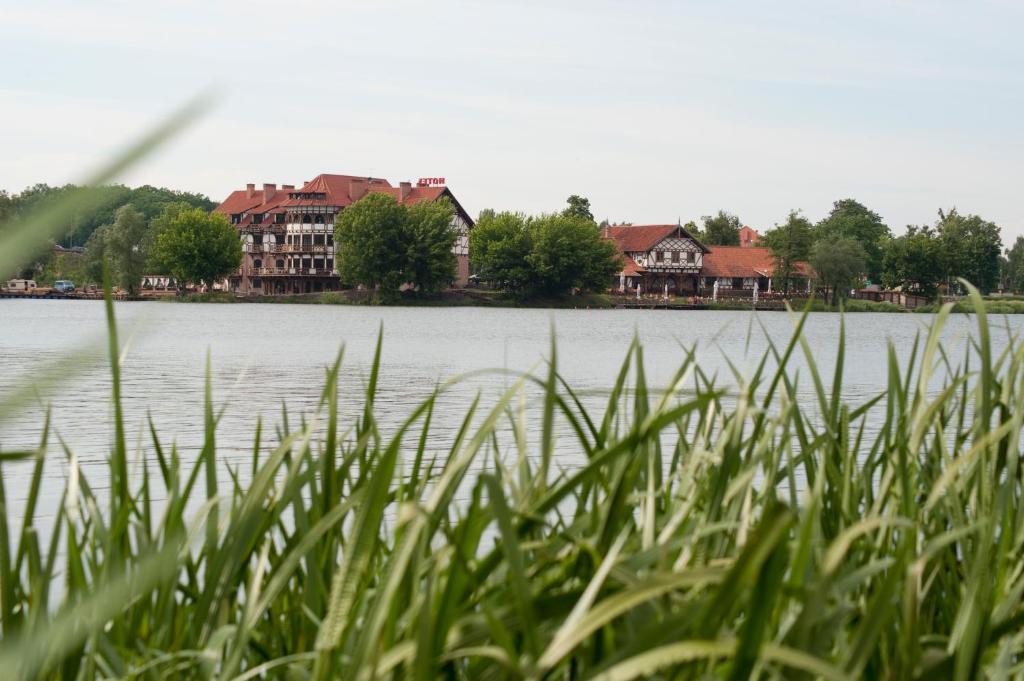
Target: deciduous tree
x: 912, y: 261
x: 369, y: 244
x: 430, y: 263
x: 567, y: 252
x: 125, y: 249
x: 722, y: 229
x: 851, y: 219
x: 790, y: 243
x: 579, y: 207
x: 838, y: 264
x: 1013, y: 266
x: 498, y: 249
x: 198, y: 247
x: 970, y: 249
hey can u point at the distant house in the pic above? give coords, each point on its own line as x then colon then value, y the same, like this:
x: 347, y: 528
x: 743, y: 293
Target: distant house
x: 748, y: 236
x: 660, y: 257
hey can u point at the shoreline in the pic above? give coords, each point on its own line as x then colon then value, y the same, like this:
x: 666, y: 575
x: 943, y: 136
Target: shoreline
x: 496, y: 299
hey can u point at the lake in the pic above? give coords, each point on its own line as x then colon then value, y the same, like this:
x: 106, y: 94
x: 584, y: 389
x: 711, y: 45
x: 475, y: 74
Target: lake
x: 264, y: 356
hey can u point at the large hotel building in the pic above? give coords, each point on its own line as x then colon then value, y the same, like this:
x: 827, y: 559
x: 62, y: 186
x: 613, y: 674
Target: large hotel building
x: 288, y: 234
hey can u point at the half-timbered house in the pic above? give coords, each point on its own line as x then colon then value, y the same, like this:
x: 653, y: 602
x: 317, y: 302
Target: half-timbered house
x: 657, y: 257
x: 288, y: 234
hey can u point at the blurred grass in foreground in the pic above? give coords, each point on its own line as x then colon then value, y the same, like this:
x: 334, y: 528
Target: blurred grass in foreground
x: 346, y: 556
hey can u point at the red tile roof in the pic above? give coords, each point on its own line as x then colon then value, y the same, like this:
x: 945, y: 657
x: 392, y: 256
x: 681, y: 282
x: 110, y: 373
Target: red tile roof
x: 743, y: 261
x: 641, y: 238
x: 337, y: 192
x: 630, y: 268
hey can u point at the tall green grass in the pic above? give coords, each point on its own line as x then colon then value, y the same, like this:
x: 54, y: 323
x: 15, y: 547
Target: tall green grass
x: 707, y: 535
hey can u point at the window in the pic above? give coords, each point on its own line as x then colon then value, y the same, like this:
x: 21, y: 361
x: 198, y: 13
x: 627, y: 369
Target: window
x: 330, y: 263
x: 236, y: 218
x: 675, y: 256
x: 691, y: 256
x: 257, y: 263
x: 330, y: 239
x: 279, y: 218
x: 257, y: 218
x: 279, y: 264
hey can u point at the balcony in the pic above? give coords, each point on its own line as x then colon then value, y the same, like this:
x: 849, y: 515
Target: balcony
x: 291, y: 272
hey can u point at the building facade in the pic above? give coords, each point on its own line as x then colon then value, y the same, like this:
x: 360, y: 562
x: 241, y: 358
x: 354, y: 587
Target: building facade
x: 667, y: 258
x: 288, y: 233
x: 658, y: 257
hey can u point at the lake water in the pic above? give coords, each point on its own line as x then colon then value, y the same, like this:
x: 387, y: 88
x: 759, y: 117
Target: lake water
x: 263, y: 356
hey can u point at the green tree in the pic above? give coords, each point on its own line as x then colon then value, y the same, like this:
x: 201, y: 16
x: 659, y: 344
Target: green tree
x: 838, y: 264
x: 970, y: 248
x: 369, y: 244
x: 913, y: 261
x: 851, y: 219
x: 1013, y: 267
x: 197, y: 247
x: 722, y: 229
x: 579, y: 207
x: 429, y: 239
x: 567, y: 252
x: 499, y: 245
x: 790, y: 243
x: 125, y: 248
x: 95, y: 254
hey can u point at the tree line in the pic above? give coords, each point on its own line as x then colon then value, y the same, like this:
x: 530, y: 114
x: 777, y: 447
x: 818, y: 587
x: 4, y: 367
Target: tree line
x: 133, y: 232
x: 384, y: 245
x: 853, y: 245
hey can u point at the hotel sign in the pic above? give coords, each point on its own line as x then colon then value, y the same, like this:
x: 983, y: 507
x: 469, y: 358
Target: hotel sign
x: 430, y: 182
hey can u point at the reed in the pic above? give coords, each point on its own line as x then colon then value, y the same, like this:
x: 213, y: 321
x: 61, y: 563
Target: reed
x: 708, y: 535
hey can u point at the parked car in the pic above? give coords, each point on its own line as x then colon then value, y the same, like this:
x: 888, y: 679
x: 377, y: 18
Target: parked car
x: 64, y: 286
x: 21, y: 284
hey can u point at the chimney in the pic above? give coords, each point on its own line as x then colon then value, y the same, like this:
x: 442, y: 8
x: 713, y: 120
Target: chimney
x: 250, y: 189
x: 268, y: 191
x: 288, y: 187
x: 404, y: 189
x: 357, y: 189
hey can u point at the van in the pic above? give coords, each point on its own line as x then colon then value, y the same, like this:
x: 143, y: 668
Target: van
x: 21, y: 284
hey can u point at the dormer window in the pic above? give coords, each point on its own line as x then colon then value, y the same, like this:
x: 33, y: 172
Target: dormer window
x: 257, y: 218
x: 279, y: 218
x: 236, y: 218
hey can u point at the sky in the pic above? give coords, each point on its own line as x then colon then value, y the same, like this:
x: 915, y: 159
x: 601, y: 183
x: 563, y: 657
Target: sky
x: 655, y: 111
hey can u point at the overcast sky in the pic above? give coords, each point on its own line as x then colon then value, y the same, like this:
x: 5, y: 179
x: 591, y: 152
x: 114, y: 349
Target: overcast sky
x: 656, y: 111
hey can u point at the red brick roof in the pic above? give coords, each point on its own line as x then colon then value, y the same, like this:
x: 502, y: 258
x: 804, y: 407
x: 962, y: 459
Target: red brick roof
x: 743, y: 261
x: 629, y: 267
x: 641, y: 238
x: 337, y: 192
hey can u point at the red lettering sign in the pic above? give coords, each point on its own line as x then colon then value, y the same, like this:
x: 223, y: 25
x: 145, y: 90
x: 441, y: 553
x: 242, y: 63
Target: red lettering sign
x: 430, y: 182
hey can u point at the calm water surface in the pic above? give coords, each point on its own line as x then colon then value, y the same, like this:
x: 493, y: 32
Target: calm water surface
x: 263, y: 356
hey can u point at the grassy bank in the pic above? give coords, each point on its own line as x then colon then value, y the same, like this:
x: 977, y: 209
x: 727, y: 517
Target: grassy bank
x: 813, y: 305
x: 998, y: 305
x: 702, y: 536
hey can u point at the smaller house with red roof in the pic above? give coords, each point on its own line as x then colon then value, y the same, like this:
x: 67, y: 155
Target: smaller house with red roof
x: 660, y: 258
x: 657, y: 257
